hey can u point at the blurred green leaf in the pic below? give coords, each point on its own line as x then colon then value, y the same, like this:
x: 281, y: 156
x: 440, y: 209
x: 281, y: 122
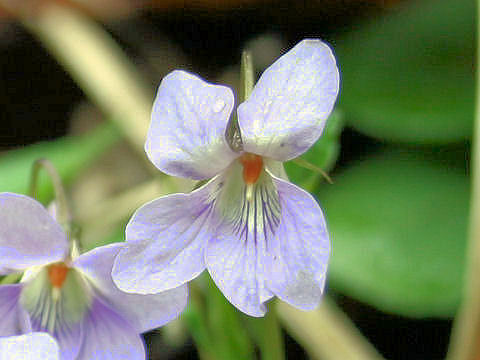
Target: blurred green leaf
x: 70, y: 155
x: 323, y: 153
x: 398, y: 229
x: 408, y: 76
x: 231, y: 337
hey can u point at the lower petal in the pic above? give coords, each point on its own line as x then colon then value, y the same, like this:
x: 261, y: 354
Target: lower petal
x: 235, y: 267
x: 14, y: 319
x: 107, y: 336
x: 165, y: 242
x: 298, y: 258
x: 31, y: 346
x: 143, y: 312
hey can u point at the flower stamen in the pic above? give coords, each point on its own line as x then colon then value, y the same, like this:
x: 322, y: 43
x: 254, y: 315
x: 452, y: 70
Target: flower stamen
x: 252, y: 168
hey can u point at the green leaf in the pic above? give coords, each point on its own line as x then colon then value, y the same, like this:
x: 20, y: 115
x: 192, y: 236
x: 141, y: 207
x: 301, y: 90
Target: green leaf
x: 408, y: 76
x: 398, y: 230
x: 70, y: 155
x: 323, y: 153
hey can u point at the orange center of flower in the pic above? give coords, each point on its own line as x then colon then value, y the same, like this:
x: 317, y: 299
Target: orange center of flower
x: 57, y: 273
x: 252, y: 167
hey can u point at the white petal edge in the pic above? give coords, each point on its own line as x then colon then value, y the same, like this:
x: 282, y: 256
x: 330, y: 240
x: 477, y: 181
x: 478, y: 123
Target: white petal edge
x: 29, y: 236
x: 288, y: 108
x: 186, y: 137
x: 143, y: 312
x: 31, y: 346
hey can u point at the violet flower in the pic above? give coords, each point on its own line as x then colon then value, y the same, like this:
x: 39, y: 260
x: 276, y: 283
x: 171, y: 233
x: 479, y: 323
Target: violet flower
x: 71, y: 297
x: 258, y: 235
x: 31, y: 346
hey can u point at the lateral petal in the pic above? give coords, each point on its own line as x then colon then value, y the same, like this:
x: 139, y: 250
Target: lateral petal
x: 298, y: 258
x: 143, y: 312
x: 29, y: 235
x: 186, y: 137
x: 14, y: 319
x: 287, y: 110
x: 165, y: 242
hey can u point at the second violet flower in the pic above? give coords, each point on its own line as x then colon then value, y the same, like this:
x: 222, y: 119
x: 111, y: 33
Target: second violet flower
x: 258, y: 235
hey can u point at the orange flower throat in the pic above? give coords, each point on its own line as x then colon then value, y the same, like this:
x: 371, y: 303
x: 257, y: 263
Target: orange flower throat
x: 57, y: 273
x: 252, y: 167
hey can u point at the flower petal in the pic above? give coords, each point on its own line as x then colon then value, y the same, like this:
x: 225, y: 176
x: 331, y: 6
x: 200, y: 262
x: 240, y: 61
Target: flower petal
x: 62, y: 316
x: 14, y: 319
x: 29, y: 235
x: 143, y: 312
x: 187, y: 132
x: 31, y: 346
x: 235, y: 256
x: 298, y: 258
x: 165, y: 242
x: 287, y: 110
x: 107, y: 336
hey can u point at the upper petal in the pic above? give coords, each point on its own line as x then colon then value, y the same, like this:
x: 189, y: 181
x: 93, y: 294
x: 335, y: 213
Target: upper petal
x: 31, y: 346
x: 28, y: 234
x: 108, y: 336
x: 165, y: 242
x: 143, y: 312
x: 186, y: 137
x: 298, y: 256
x: 287, y: 110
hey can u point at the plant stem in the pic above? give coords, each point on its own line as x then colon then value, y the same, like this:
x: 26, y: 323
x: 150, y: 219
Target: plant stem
x: 63, y: 214
x: 465, y: 338
x: 326, y: 333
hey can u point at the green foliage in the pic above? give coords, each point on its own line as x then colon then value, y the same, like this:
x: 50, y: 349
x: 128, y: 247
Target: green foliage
x: 322, y: 154
x: 70, y: 155
x: 398, y: 229
x: 408, y: 76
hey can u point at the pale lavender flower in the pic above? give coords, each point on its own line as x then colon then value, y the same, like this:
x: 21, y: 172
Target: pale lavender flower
x: 71, y: 296
x: 258, y: 235
x: 31, y: 346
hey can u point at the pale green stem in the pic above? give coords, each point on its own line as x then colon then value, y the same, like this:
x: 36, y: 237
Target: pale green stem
x: 95, y: 62
x: 465, y: 338
x: 326, y: 333
x: 62, y: 211
x: 247, y: 76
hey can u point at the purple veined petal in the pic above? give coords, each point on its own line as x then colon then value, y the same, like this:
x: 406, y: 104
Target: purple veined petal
x: 108, y: 336
x: 14, y: 320
x: 29, y: 236
x: 298, y: 258
x: 143, y: 312
x: 288, y: 108
x: 235, y: 256
x: 186, y: 137
x: 165, y: 242
x: 60, y: 313
x: 31, y: 346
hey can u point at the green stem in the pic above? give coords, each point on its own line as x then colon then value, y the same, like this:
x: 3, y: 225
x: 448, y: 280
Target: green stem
x: 464, y: 344
x: 63, y: 214
x: 269, y: 335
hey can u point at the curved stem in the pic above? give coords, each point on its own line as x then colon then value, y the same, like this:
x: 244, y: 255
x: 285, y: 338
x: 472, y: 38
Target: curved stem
x: 63, y: 214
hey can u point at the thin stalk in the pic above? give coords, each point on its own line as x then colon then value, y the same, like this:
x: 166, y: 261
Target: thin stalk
x: 465, y: 339
x: 326, y: 333
x: 268, y: 334
x: 93, y: 59
x: 63, y: 213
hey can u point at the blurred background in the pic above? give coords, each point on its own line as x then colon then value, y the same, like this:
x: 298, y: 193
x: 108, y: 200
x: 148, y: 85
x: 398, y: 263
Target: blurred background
x: 397, y: 146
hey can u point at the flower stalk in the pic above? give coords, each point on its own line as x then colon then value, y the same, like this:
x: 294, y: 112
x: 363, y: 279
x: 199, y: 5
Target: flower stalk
x: 63, y: 213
